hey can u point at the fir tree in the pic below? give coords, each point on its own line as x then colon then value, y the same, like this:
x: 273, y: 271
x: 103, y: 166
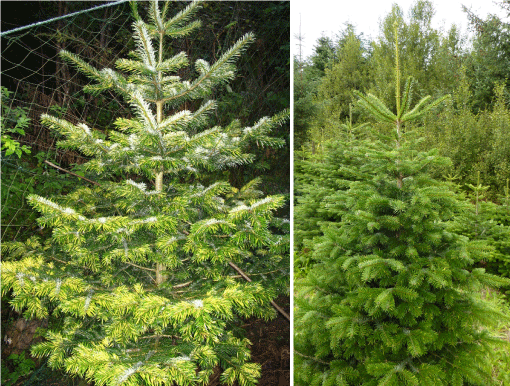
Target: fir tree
x: 487, y: 225
x: 139, y: 268
x: 317, y: 180
x: 392, y: 296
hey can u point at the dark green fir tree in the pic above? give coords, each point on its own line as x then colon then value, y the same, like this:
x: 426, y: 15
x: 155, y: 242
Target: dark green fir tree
x: 141, y: 276
x: 487, y: 225
x: 318, y: 178
x: 392, y: 296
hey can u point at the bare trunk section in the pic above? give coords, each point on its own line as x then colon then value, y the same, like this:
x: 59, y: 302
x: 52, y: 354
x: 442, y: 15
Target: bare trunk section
x: 399, y: 134
x: 160, y: 277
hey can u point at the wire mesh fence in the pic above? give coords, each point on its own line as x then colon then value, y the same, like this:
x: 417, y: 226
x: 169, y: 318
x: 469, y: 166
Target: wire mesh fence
x: 35, y: 80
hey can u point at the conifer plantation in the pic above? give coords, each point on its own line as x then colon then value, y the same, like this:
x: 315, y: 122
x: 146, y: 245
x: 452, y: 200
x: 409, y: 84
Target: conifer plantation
x: 142, y: 278
x: 387, y: 292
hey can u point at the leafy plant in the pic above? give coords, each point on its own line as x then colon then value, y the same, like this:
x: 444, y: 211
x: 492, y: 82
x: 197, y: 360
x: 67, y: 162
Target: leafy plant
x: 22, y: 367
x: 21, y: 177
x: 476, y: 143
x: 13, y: 121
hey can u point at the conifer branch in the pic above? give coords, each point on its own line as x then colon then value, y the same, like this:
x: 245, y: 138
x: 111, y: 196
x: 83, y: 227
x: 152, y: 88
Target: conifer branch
x: 175, y: 26
x: 224, y: 60
x: 254, y: 274
x: 159, y: 336
x: 182, y: 285
x: 60, y: 261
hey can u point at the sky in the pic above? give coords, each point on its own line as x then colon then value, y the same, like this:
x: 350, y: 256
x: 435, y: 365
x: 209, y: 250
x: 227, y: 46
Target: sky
x: 328, y: 17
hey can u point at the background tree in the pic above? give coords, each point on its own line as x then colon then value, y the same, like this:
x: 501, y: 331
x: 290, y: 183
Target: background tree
x: 307, y: 77
x: 347, y: 72
x: 305, y: 89
x: 489, y: 61
x: 324, y: 52
x: 427, y: 56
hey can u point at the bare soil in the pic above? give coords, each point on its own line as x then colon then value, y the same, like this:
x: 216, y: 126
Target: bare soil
x: 271, y: 347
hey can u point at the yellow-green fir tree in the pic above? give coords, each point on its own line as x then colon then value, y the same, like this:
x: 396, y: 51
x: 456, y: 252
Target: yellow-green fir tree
x: 138, y: 271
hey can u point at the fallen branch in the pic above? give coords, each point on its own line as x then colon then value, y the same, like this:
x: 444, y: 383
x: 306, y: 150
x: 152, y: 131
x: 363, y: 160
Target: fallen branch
x: 69, y: 172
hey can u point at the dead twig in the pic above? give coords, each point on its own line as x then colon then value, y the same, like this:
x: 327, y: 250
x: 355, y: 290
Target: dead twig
x: 69, y: 172
x: 247, y: 278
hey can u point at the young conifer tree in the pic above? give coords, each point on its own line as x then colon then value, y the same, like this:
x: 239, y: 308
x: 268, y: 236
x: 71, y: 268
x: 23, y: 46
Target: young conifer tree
x: 318, y: 179
x: 487, y: 225
x: 391, y: 299
x: 139, y: 270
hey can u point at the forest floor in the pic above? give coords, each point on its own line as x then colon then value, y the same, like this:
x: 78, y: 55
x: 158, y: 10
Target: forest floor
x: 270, y: 348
